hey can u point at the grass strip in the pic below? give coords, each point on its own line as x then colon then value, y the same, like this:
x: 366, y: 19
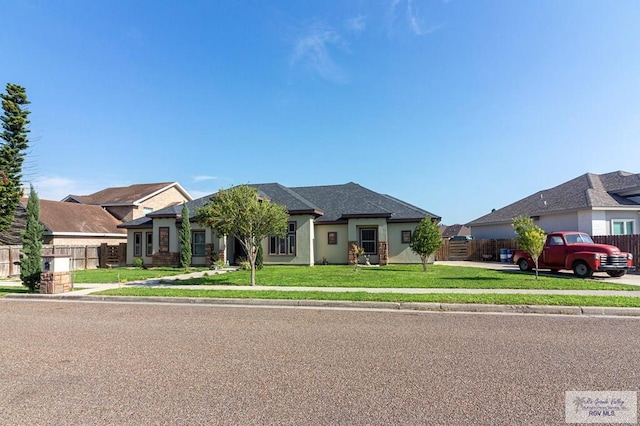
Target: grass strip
x: 486, y: 298
x: 403, y: 276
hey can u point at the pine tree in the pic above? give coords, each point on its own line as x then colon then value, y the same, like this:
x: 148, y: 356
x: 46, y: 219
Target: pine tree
x: 12, y: 151
x: 31, y: 257
x: 185, y: 238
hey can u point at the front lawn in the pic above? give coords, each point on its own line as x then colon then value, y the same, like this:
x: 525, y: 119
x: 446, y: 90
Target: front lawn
x: 12, y: 289
x: 402, y: 276
x: 497, y: 299
x: 123, y: 275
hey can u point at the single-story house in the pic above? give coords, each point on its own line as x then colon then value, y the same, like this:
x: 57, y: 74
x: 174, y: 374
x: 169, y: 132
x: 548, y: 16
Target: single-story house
x: 134, y: 201
x: 67, y: 224
x: 324, y: 221
x: 606, y: 204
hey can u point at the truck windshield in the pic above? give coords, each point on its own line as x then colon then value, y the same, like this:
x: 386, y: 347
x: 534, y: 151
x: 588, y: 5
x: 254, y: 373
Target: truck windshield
x: 578, y: 239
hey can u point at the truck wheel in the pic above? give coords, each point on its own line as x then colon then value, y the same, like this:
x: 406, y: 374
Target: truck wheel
x: 616, y: 274
x: 523, y: 265
x: 582, y: 270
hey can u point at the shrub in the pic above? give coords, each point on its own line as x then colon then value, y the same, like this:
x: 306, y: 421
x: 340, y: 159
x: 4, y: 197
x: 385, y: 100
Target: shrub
x: 138, y: 262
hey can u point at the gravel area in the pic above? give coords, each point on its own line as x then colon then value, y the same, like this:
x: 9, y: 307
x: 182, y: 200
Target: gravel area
x: 76, y: 363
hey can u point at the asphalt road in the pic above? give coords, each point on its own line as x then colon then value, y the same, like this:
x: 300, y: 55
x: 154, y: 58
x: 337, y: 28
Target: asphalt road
x: 125, y: 363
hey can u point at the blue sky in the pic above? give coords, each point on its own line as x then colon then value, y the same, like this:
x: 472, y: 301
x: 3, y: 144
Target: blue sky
x: 455, y: 106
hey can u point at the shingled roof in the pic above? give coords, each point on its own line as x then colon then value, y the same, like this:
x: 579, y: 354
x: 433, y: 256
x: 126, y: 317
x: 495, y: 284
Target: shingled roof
x: 61, y: 217
x: 128, y: 195
x: 330, y: 204
x: 586, y: 192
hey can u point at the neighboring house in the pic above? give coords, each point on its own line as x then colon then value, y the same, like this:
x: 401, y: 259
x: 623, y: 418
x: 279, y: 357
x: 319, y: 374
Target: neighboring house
x: 68, y: 224
x: 134, y: 201
x: 456, y: 230
x: 323, y: 222
x: 606, y: 204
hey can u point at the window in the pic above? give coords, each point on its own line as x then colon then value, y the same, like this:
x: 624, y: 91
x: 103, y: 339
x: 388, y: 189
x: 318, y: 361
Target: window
x: 197, y: 243
x: 163, y: 239
x: 147, y: 210
x: 332, y: 238
x: 284, y: 246
x: 406, y: 237
x: 369, y: 240
x: 149, y: 241
x: 137, y: 244
x: 622, y: 227
x: 556, y: 241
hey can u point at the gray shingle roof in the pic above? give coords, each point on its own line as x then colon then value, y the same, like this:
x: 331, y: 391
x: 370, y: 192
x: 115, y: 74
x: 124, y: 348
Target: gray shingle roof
x: 331, y: 203
x: 582, y: 193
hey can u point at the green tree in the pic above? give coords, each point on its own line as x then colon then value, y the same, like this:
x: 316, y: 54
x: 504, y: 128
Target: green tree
x: 530, y: 238
x: 31, y: 256
x: 14, y: 142
x: 240, y: 212
x: 185, y: 238
x: 426, y: 240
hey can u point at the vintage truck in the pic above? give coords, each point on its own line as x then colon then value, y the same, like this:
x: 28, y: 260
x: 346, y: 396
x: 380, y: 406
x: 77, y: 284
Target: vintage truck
x: 576, y: 251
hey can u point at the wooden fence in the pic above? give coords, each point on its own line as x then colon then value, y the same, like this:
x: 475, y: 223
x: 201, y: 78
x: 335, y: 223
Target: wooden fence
x: 489, y: 249
x: 82, y: 257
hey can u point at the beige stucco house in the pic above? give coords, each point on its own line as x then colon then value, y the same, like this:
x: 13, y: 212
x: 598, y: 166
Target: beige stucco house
x: 323, y: 222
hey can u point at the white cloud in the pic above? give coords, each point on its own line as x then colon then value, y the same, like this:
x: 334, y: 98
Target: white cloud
x: 313, y: 50
x: 414, y: 19
x: 56, y: 187
x: 356, y: 24
x: 204, y: 178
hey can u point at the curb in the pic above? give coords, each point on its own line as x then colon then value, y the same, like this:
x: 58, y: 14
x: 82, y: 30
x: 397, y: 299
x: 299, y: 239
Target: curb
x: 408, y: 306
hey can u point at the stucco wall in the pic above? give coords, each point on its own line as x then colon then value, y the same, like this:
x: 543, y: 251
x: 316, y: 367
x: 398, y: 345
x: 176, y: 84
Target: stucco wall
x: 83, y: 241
x: 305, y: 252
x: 613, y: 215
x: 400, y: 252
x: 333, y: 253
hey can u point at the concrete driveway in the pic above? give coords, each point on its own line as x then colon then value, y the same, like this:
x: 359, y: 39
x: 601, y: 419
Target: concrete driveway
x: 631, y: 278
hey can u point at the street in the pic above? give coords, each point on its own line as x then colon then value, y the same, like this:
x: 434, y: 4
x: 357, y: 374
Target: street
x: 64, y: 362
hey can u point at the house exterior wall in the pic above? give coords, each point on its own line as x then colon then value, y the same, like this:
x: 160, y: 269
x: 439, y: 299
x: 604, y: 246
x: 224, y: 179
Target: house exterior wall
x: 400, y: 252
x: 613, y: 215
x: 83, y: 240
x: 123, y: 213
x: 304, y: 252
x: 502, y: 230
x: 333, y: 253
x: 379, y: 223
x: 160, y: 201
x: 588, y: 221
x: 559, y: 222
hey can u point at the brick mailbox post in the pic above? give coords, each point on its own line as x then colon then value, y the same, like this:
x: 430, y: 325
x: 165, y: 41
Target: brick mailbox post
x: 56, y: 274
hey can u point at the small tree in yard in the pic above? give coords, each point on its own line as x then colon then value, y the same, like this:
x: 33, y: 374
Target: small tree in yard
x: 240, y: 212
x: 185, y: 238
x: 529, y: 237
x: 426, y: 240
x: 31, y: 257
x: 356, y: 253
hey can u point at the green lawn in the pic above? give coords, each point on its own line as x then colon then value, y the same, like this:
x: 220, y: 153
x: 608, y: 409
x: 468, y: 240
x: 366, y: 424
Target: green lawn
x: 498, y: 299
x: 123, y: 275
x: 403, y: 276
x: 11, y: 289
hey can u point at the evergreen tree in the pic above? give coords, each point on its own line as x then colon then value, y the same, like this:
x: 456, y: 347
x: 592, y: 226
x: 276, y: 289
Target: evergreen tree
x: 185, y: 238
x: 426, y: 239
x: 31, y: 257
x: 14, y: 142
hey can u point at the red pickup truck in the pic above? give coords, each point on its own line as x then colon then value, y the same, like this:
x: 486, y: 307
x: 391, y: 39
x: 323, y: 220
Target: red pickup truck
x: 576, y: 251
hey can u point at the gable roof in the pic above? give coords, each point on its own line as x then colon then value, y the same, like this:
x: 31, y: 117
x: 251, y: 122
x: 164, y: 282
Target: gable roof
x: 126, y: 196
x: 70, y: 218
x: 454, y: 230
x: 586, y: 192
x: 330, y: 204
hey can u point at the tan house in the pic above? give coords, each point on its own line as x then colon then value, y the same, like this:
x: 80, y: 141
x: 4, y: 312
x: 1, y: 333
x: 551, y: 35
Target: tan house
x: 323, y: 222
x: 134, y: 201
